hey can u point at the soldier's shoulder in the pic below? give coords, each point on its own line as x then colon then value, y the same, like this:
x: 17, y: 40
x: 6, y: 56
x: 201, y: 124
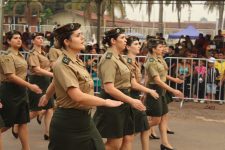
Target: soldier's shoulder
x: 5, y: 52
x: 151, y: 60
x: 108, y: 55
x: 66, y: 60
x: 129, y: 60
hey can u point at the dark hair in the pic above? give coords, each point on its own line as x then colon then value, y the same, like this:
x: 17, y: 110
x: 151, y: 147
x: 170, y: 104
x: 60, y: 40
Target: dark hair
x: 9, y: 36
x: 130, y: 40
x: 64, y: 32
x: 113, y: 33
x: 153, y: 43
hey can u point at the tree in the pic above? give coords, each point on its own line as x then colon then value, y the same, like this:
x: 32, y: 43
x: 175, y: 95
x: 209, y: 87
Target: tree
x: 149, y: 9
x: 216, y: 5
x: 177, y: 5
x: 28, y: 7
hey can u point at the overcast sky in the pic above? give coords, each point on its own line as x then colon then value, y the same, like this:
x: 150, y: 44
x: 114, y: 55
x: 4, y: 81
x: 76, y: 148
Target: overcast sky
x: 197, y: 12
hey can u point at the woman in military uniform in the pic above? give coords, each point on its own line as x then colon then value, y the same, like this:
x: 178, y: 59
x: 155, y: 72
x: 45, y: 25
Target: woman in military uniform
x: 53, y: 55
x: 156, y: 69
x: 40, y: 74
x: 71, y: 126
x: 140, y: 117
x: 13, y: 92
x: 117, y: 124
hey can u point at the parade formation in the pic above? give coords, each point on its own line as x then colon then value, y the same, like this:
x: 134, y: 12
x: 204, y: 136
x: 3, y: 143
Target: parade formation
x: 102, y: 94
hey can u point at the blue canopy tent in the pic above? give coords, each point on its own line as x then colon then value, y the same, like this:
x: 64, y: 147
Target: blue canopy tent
x: 139, y: 35
x: 190, y: 31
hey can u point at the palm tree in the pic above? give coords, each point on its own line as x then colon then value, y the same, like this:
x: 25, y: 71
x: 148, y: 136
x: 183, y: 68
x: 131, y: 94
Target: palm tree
x: 29, y: 7
x: 178, y: 5
x: 149, y: 9
x: 216, y: 5
x: 161, y: 28
x: 100, y: 7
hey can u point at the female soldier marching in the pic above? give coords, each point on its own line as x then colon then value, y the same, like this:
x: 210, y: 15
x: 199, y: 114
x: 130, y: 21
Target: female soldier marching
x: 71, y: 126
x: 13, y: 92
x: 40, y: 74
x: 156, y: 69
x: 117, y: 124
x: 140, y: 117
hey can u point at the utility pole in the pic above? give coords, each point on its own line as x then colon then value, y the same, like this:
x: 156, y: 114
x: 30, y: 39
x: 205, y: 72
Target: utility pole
x: 1, y: 23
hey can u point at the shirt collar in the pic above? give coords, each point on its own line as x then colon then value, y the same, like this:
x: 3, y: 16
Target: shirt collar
x: 15, y: 52
x: 115, y: 54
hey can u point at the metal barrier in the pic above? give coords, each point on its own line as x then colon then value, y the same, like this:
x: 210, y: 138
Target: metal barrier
x: 201, y: 80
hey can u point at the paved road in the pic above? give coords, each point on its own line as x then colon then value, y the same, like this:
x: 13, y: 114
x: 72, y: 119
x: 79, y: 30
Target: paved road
x: 195, y: 129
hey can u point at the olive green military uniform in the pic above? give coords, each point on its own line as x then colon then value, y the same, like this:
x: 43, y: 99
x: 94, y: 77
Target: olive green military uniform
x: 37, y: 59
x: 54, y: 54
x: 140, y: 117
x: 71, y: 126
x: 114, y: 122
x: 13, y: 96
x: 156, y: 67
x: 168, y: 95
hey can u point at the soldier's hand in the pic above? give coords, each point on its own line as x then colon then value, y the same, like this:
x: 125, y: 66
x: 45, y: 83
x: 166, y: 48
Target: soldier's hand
x: 143, y: 97
x: 154, y: 94
x: 179, y: 81
x: 1, y: 104
x: 35, y: 88
x: 178, y: 93
x: 137, y: 104
x: 112, y: 103
x: 43, y: 101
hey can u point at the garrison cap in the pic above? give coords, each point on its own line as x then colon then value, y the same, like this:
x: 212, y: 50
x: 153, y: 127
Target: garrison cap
x: 35, y: 34
x: 66, y: 28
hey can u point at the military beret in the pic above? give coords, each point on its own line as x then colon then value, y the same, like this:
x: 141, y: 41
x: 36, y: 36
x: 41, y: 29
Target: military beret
x: 35, y: 34
x: 66, y: 28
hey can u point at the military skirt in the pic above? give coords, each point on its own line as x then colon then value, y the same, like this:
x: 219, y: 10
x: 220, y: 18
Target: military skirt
x: 15, y: 108
x: 43, y: 82
x: 140, y: 118
x: 114, y: 122
x: 72, y: 129
x: 156, y: 107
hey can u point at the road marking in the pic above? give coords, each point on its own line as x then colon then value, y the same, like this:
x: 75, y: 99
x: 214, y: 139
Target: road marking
x: 209, y: 120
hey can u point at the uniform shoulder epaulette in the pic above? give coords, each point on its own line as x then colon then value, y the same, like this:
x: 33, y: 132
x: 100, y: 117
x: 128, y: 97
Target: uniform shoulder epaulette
x: 66, y: 60
x: 129, y: 60
x: 109, y: 55
x: 32, y: 52
x: 5, y: 52
x: 151, y: 59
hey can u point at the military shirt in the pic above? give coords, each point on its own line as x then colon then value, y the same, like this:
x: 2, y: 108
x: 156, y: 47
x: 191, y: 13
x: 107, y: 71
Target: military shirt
x: 156, y: 67
x: 113, y: 68
x: 70, y: 71
x: 54, y: 54
x: 37, y: 59
x: 135, y: 69
x: 12, y: 61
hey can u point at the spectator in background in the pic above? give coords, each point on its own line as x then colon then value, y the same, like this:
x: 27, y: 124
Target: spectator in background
x: 212, y: 74
x: 188, y: 43
x: 220, y: 66
x: 90, y: 59
x: 184, y: 72
x: 219, y: 39
x: 199, y: 79
x: 26, y: 39
x: 49, y: 37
